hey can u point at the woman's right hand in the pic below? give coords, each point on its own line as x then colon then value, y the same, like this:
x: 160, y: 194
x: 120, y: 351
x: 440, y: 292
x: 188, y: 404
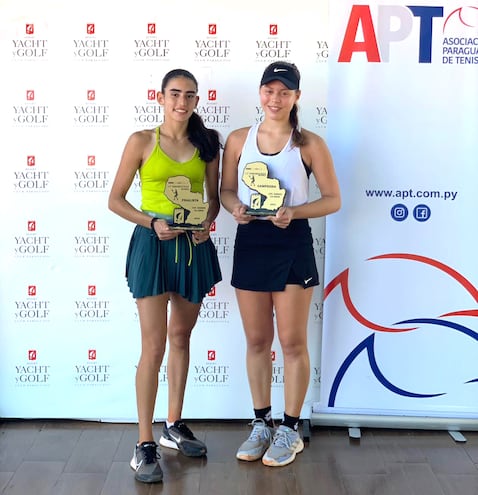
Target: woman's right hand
x: 164, y: 231
x: 240, y: 215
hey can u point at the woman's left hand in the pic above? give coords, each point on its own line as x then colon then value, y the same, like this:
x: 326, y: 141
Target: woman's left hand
x: 282, y: 218
x: 200, y: 236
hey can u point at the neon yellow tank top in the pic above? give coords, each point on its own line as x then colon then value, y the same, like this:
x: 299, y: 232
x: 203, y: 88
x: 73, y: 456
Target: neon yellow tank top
x: 155, y: 172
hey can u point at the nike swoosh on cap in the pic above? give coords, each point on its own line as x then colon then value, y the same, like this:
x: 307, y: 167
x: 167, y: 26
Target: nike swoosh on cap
x: 279, y: 70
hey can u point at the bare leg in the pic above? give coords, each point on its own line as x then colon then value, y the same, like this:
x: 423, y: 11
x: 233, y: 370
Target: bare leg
x: 152, y: 315
x: 292, y: 313
x: 182, y: 320
x: 257, y: 319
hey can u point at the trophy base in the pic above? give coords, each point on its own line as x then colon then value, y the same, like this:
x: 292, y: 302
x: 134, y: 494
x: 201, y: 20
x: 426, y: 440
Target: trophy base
x: 260, y: 212
x: 186, y: 226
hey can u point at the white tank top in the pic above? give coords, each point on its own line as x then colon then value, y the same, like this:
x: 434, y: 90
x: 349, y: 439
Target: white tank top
x: 286, y: 166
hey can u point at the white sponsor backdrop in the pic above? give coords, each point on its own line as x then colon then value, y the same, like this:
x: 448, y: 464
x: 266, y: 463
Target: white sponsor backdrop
x: 400, y: 338
x: 77, y: 80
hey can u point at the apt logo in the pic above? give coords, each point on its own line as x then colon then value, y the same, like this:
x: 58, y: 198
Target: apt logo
x: 393, y: 23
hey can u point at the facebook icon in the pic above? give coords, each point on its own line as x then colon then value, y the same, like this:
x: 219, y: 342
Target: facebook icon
x: 421, y: 213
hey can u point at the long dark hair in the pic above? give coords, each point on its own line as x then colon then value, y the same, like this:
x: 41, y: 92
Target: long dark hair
x: 206, y: 140
x: 297, y: 137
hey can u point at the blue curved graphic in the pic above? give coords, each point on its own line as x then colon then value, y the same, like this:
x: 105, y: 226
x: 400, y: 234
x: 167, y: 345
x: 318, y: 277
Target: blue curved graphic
x: 368, y: 344
x: 341, y: 282
x: 443, y: 323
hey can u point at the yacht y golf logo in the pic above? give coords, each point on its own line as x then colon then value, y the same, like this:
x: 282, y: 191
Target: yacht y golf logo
x: 30, y: 47
x: 212, y: 48
x: 213, y: 112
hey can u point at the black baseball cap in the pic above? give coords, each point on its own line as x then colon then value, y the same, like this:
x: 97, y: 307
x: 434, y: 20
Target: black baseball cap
x: 284, y: 72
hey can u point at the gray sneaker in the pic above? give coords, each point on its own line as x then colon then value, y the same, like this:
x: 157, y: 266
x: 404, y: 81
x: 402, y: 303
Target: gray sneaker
x: 285, y: 445
x: 145, y: 463
x: 181, y: 438
x: 257, y: 443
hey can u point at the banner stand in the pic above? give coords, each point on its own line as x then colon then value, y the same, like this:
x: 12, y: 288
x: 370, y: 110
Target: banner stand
x: 395, y: 422
x: 400, y: 328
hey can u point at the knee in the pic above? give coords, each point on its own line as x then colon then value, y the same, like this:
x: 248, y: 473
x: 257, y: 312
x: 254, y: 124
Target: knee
x: 179, y: 338
x: 153, y: 353
x: 258, y: 344
x: 292, y: 349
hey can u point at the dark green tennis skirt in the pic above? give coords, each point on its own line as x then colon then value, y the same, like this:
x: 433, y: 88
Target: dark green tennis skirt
x: 154, y: 267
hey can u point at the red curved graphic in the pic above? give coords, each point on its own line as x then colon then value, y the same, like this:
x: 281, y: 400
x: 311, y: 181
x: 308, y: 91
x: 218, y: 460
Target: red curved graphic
x: 460, y: 10
x: 470, y: 288
x: 343, y: 280
x: 463, y: 312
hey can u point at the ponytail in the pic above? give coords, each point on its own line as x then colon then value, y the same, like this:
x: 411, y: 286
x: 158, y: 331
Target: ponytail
x: 297, y: 137
x: 204, y: 139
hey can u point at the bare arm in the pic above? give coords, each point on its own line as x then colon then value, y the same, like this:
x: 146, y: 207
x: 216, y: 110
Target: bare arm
x: 230, y: 160
x: 212, y: 189
x: 212, y: 194
x: 136, y: 151
x: 317, y: 155
x: 132, y: 158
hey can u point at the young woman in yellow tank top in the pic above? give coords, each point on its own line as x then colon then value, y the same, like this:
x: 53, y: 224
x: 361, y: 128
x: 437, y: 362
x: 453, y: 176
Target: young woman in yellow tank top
x: 167, y: 266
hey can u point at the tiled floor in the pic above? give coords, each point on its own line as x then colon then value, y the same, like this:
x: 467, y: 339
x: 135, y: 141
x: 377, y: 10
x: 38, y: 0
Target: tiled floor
x: 44, y: 457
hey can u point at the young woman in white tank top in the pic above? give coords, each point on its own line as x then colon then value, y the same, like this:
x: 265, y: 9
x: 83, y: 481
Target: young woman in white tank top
x: 270, y: 278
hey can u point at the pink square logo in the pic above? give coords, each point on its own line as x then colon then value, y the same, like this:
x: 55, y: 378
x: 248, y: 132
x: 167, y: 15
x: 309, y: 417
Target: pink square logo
x: 30, y: 95
x: 91, y: 225
x: 273, y: 29
x: 32, y: 355
x: 90, y: 28
x: 91, y: 160
x: 212, y: 29
x: 31, y: 226
x: 151, y: 94
x: 91, y: 354
x: 30, y: 160
x: 92, y: 290
x: 212, y: 292
x: 212, y: 228
x: 32, y: 290
x: 212, y: 95
x: 151, y: 28
x: 29, y: 29
x: 91, y: 95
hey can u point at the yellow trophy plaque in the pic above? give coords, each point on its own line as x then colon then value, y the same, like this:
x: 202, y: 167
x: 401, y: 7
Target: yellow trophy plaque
x: 268, y: 196
x: 192, y: 209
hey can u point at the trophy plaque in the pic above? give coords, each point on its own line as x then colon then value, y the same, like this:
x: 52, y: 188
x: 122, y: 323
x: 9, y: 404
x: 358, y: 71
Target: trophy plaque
x: 191, y: 209
x: 267, y: 196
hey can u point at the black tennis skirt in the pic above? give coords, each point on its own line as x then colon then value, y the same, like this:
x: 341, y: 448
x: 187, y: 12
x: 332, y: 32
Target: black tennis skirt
x: 267, y: 258
x: 154, y: 267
